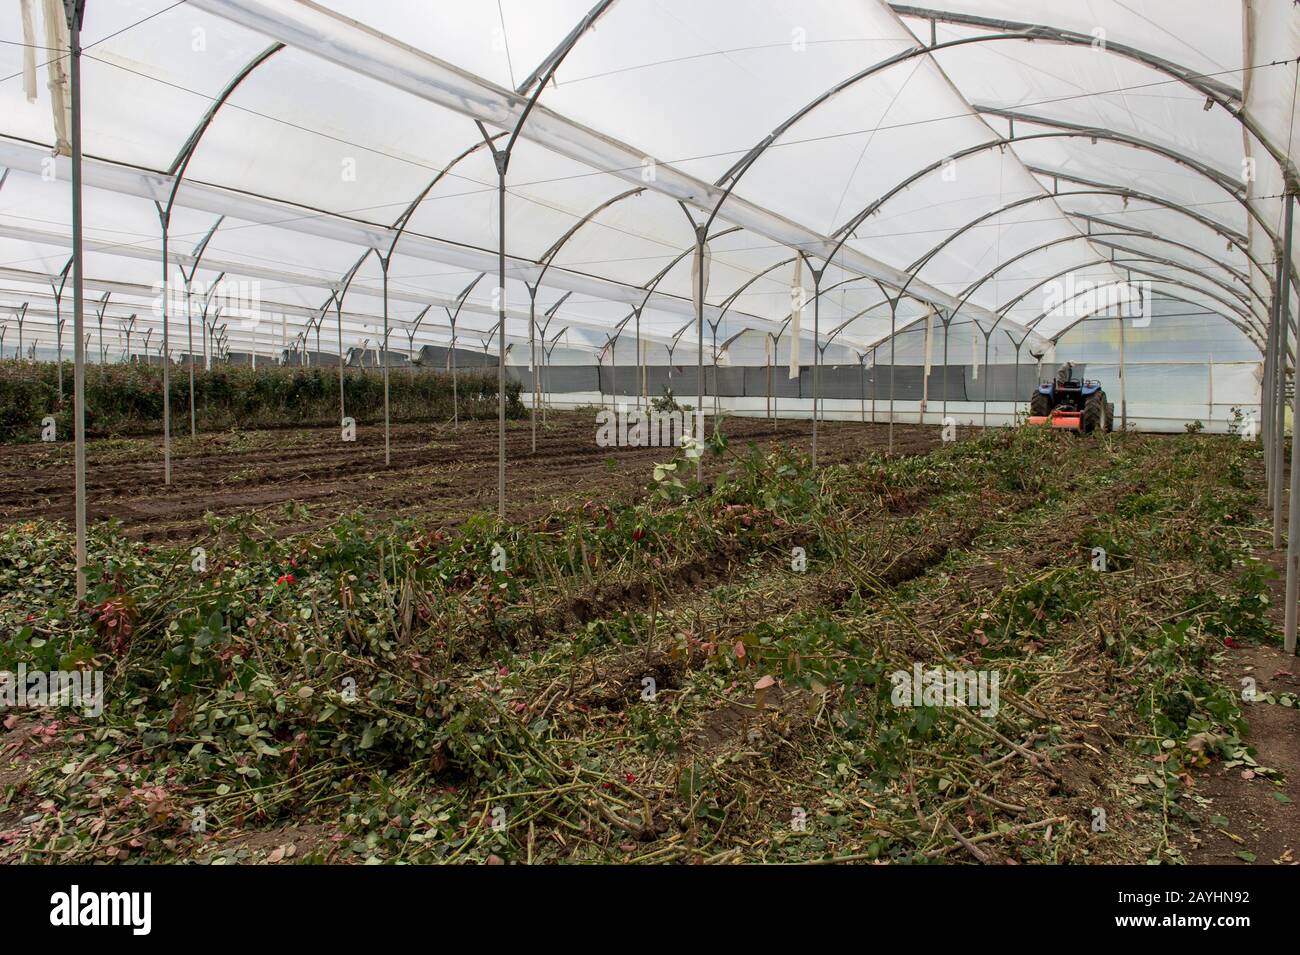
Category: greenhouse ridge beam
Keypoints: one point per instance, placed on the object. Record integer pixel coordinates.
(353, 46)
(148, 184)
(357, 323)
(276, 275)
(1221, 93)
(1221, 229)
(1244, 296)
(1242, 323)
(1223, 179)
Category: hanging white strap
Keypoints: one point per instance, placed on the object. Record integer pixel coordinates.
(925, 380)
(796, 315)
(974, 354)
(699, 288)
(29, 51)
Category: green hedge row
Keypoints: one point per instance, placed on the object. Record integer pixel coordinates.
(128, 399)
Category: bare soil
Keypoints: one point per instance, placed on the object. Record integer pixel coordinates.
(296, 479)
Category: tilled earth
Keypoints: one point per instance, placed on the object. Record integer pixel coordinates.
(296, 479)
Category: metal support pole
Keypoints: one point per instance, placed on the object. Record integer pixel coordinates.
(875, 368)
(1293, 523)
(1015, 393)
(383, 350)
(768, 356)
(1279, 397)
(189, 327)
(75, 9)
(862, 388)
(166, 363)
(817, 366)
(984, 423)
(716, 389)
(1123, 377)
(502, 161)
(1266, 396)
(893, 365)
(338, 318)
(532, 358)
(699, 346)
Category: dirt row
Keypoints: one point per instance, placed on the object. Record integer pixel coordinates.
(436, 471)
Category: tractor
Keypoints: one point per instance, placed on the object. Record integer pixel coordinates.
(1071, 404)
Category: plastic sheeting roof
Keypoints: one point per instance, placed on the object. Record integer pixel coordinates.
(968, 152)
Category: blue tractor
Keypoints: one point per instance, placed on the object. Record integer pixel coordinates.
(1071, 404)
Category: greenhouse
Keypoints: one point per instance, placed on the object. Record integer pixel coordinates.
(645, 431)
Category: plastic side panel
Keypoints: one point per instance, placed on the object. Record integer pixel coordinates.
(756, 383)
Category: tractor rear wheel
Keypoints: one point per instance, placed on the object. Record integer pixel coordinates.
(1039, 405)
(1110, 416)
(1094, 413)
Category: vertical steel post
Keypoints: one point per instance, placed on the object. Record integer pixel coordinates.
(338, 318)
(189, 326)
(166, 362)
(532, 358)
(1123, 377)
(383, 351)
(502, 161)
(698, 292)
(946, 376)
(893, 365)
(75, 10)
(817, 367)
(988, 335)
(1293, 524)
(1266, 397)
(1279, 397)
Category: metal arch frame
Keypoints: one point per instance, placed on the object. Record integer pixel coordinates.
(1178, 298)
(59, 320)
(1076, 130)
(1144, 256)
(328, 35)
(385, 260)
(925, 258)
(546, 69)
(1012, 303)
(411, 332)
(1129, 264)
(501, 159)
(611, 345)
(702, 239)
(547, 258)
(973, 287)
(549, 314)
(1218, 176)
(1141, 253)
(1022, 32)
(20, 315)
(1243, 326)
(177, 172)
(1004, 142)
(1121, 228)
(1221, 229)
(196, 259)
(1222, 94)
(186, 152)
(1061, 241)
(731, 177)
